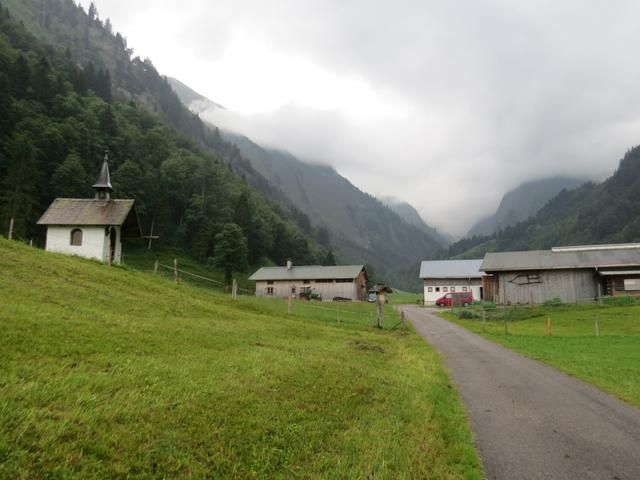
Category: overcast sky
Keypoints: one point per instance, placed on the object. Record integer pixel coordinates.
(443, 104)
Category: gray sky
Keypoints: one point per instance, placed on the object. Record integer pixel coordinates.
(444, 104)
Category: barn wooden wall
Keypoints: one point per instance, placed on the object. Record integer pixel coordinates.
(282, 288)
(568, 285)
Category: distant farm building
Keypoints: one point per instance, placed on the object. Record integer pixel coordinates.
(91, 228)
(344, 281)
(569, 273)
(441, 277)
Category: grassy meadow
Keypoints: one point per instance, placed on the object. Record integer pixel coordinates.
(610, 361)
(107, 372)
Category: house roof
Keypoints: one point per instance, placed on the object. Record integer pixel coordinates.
(561, 259)
(451, 269)
(307, 272)
(73, 211)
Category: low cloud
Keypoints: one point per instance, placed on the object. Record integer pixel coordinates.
(444, 105)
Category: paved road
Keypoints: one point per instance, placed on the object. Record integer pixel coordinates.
(531, 421)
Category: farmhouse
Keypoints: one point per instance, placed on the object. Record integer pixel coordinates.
(91, 228)
(444, 276)
(568, 273)
(344, 281)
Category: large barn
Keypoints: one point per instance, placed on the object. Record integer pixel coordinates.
(91, 227)
(444, 276)
(569, 273)
(343, 281)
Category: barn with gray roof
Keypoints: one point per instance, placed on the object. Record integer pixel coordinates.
(571, 274)
(341, 281)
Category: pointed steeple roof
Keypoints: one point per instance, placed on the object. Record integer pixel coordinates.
(104, 179)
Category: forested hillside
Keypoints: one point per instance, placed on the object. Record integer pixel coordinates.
(60, 114)
(594, 213)
(360, 227)
(522, 202)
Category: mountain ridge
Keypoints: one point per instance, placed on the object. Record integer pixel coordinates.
(361, 227)
(521, 202)
(606, 212)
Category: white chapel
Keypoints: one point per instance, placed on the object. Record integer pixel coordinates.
(93, 227)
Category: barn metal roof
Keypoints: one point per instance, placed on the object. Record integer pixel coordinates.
(73, 211)
(451, 269)
(560, 259)
(308, 272)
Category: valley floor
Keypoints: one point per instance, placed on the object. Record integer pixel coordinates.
(106, 372)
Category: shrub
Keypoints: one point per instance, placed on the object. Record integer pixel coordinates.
(466, 314)
(554, 302)
(620, 301)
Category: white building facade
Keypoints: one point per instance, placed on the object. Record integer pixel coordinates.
(450, 276)
(86, 241)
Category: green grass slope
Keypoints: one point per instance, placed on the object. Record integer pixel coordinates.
(113, 373)
(610, 361)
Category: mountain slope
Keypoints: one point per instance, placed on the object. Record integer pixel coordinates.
(361, 228)
(59, 117)
(410, 215)
(608, 212)
(522, 202)
(112, 373)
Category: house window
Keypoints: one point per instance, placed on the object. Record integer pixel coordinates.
(453, 289)
(324, 280)
(344, 280)
(632, 283)
(269, 290)
(306, 282)
(437, 289)
(430, 289)
(445, 289)
(269, 282)
(293, 290)
(76, 237)
(464, 289)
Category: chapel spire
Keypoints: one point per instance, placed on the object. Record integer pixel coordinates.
(103, 186)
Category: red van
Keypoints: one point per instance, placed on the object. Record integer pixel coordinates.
(459, 299)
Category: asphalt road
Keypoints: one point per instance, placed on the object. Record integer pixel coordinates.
(530, 420)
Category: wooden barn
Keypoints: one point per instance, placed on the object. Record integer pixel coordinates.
(91, 227)
(344, 281)
(445, 276)
(571, 274)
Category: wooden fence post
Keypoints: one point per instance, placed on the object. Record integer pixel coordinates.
(175, 271)
(338, 311)
(548, 329)
(31, 242)
(11, 229)
(379, 313)
(234, 290)
(155, 267)
(289, 306)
